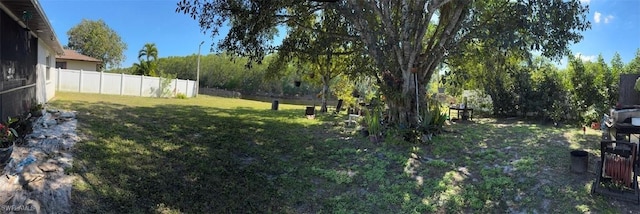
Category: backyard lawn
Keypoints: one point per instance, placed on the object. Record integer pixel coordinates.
(220, 155)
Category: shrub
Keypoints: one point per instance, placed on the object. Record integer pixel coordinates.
(432, 120)
(165, 84)
(181, 96)
(372, 120)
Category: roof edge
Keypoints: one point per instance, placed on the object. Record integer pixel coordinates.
(73, 55)
(58, 48)
(84, 60)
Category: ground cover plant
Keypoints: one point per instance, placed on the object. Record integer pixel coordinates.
(220, 155)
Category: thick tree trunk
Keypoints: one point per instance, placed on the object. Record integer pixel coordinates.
(403, 110)
(325, 90)
(400, 45)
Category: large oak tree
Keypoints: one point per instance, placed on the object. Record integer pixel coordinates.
(96, 39)
(405, 39)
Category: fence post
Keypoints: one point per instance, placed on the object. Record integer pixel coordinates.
(101, 80)
(194, 89)
(141, 84)
(175, 87)
(58, 80)
(186, 88)
(121, 83)
(80, 84)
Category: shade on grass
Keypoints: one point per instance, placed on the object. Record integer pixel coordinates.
(218, 155)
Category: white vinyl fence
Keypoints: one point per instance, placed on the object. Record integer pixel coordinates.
(120, 84)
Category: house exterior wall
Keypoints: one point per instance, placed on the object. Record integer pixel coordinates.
(46, 88)
(79, 65)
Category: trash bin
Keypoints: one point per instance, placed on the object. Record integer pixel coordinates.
(274, 105)
(579, 161)
(310, 110)
(339, 106)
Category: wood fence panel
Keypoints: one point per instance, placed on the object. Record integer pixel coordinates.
(628, 95)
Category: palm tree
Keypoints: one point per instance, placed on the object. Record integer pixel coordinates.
(145, 68)
(149, 51)
(147, 56)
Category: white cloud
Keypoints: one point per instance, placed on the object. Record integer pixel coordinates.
(586, 58)
(585, 1)
(608, 19)
(599, 17)
(596, 17)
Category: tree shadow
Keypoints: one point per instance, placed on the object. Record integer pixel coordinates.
(528, 163)
(196, 159)
(190, 158)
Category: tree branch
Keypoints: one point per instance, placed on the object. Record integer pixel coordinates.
(331, 34)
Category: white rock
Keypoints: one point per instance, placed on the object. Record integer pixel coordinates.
(68, 115)
(464, 170)
(48, 167)
(53, 137)
(49, 123)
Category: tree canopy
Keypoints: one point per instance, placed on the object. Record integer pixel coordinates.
(97, 40)
(315, 53)
(405, 40)
(634, 65)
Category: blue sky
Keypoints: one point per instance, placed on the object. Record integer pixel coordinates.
(615, 26)
(136, 21)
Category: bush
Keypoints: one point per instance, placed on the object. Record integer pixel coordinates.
(432, 121)
(165, 84)
(553, 97)
(373, 118)
(181, 96)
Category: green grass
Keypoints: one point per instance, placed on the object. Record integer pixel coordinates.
(219, 155)
(518, 166)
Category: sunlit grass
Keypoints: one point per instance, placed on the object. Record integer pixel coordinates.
(222, 155)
